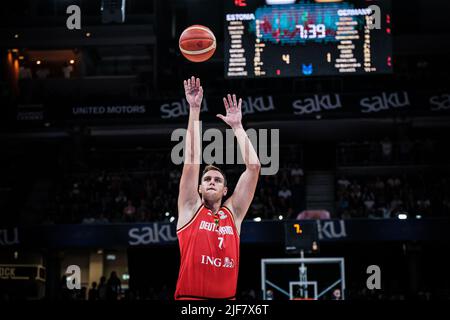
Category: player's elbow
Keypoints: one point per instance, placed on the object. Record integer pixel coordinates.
(255, 167)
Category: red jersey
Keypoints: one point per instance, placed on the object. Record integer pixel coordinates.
(209, 247)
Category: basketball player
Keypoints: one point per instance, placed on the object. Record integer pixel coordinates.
(207, 229)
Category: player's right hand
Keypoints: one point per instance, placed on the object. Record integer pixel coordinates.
(194, 92)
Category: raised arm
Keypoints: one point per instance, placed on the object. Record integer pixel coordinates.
(188, 197)
(242, 197)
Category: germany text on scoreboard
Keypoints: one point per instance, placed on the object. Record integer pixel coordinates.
(292, 38)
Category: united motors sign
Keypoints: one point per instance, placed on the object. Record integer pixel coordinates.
(109, 110)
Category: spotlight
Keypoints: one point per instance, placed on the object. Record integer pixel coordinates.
(88, 34)
(402, 216)
(72, 61)
(257, 219)
(111, 257)
(172, 219)
(38, 62)
(280, 217)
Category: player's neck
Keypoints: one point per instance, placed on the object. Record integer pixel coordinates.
(214, 206)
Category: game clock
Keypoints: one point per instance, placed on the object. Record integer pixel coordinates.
(300, 236)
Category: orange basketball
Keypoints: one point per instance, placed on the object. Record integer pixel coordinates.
(197, 43)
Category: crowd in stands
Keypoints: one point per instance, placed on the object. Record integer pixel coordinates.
(144, 187)
(110, 290)
(418, 195)
(151, 196)
(388, 151)
(147, 197)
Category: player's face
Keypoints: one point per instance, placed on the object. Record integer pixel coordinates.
(212, 186)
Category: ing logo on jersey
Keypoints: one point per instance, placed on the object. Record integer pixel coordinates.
(218, 262)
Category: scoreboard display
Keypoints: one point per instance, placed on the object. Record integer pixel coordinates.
(298, 38)
(300, 236)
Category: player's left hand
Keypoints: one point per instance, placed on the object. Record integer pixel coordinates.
(234, 115)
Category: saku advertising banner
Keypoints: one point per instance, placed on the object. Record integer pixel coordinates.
(254, 107)
(264, 232)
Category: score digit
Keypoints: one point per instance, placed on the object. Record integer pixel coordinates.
(298, 229)
(321, 30)
(312, 31)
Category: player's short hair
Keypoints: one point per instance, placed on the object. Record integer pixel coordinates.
(211, 167)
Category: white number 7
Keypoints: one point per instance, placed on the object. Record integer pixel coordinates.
(220, 242)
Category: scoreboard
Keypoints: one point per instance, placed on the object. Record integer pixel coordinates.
(299, 236)
(299, 38)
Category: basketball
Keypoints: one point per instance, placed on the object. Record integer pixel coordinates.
(197, 43)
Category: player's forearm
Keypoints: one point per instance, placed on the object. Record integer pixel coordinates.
(248, 152)
(192, 149)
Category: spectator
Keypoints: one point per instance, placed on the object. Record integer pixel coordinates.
(386, 150)
(284, 193)
(142, 211)
(93, 294)
(65, 294)
(102, 289)
(343, 182)
(368, 198)
(67, 70)
(257, 208)
(336, 294)
(102, 219)
(42, 73)
(164, 293)
(88, 220)
(113, 287)
(129, 212)
(24, 73)
(81, 294)
(296, 171)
